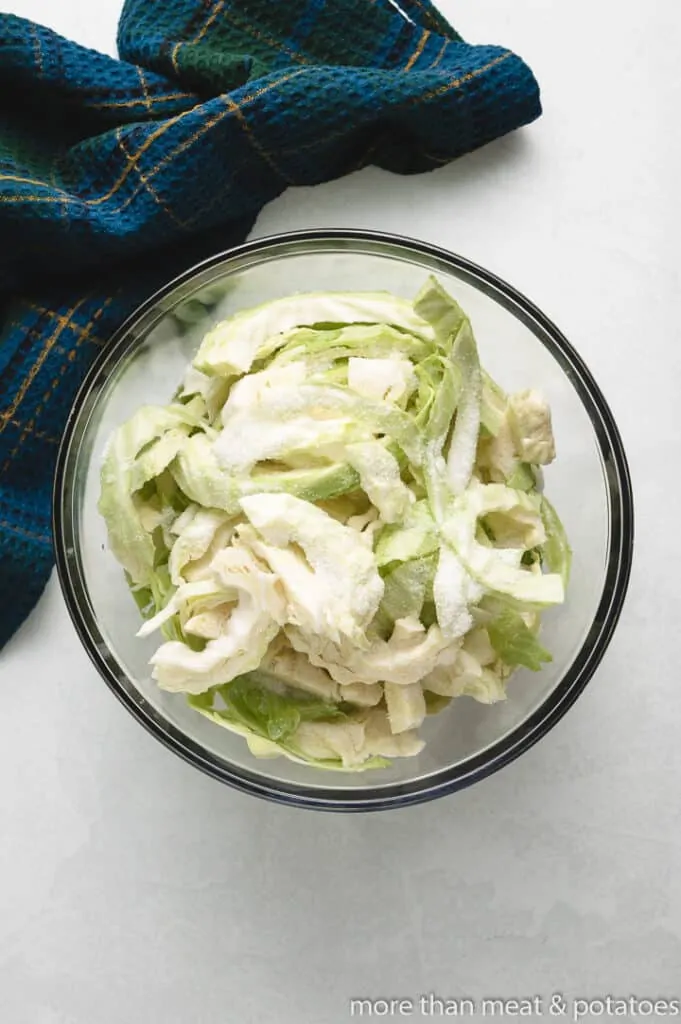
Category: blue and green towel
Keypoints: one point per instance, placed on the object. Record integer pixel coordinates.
(117, 174)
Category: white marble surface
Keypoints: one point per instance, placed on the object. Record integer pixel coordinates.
(133, 889)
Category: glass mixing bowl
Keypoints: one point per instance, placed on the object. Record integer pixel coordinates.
(588, 483)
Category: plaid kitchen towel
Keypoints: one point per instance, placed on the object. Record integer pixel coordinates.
(117, 174)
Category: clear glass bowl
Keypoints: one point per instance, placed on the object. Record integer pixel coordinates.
(589, 484)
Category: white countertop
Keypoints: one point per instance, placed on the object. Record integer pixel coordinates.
(134, 889)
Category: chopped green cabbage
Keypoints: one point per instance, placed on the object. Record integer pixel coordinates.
(337, 526)
(515, 643)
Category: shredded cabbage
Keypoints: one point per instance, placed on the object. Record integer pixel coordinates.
(338, 525)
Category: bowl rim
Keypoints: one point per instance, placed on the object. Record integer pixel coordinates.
(520, 738)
